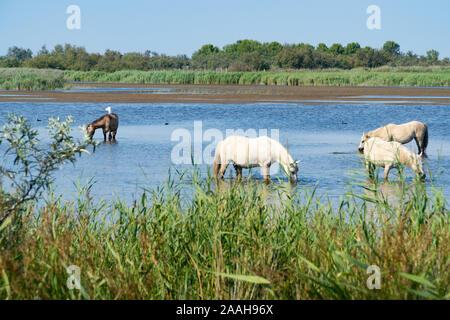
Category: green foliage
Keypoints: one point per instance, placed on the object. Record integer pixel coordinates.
(243, 55)
(336, 49)
(352, 48)
(20, 54)
(433, 55)
(32, 161)
(207, 49)
(372, 58)
(322, 47)
(241, 47)
(391, 47)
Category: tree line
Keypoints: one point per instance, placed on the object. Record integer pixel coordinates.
(243, 55)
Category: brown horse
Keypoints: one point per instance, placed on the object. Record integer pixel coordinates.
(108, 122)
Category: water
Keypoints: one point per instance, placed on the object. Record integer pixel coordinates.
(323, 137)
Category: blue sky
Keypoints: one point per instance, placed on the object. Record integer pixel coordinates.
(182, 26)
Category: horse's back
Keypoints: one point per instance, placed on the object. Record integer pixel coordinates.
(247, 151)
(379, 151)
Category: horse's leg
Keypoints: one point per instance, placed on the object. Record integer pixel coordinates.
(104, 135)
(266, 173)
(223, 168)
(114, 135)
(387, 168)
(419, 145)
(238, 171)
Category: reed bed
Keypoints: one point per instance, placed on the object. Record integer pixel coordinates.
(421, 77)
(230, 241)
(26, 79)
(50, 79)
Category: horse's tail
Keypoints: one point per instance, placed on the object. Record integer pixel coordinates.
(425, 140)
(217, 160)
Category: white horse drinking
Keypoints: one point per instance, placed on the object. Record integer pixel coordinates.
(378, 152)
(252, 152)
(402, 133)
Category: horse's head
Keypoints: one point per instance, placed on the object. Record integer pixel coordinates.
(293, 169)
(90, 130)
(417, 166)
(364, 138)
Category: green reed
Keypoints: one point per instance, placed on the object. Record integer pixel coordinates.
(31, 79)
(49, 79)
(436, 77)
(230, 240)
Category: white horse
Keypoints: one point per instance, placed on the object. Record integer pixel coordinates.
(252, 152)
(402, 133)
(378, 152)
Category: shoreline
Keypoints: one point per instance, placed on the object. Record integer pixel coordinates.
(236, 94)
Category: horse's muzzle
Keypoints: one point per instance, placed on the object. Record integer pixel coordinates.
(360, 150)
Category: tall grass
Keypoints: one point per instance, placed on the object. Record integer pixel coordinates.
(43, 79)
(424, 77)
(238, 241)
(31, 79)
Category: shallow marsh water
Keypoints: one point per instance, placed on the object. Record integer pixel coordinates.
(323, 137)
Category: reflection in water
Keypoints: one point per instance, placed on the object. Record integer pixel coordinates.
(390, 192)
(274, 193)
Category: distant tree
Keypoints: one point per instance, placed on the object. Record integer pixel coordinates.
(218, 61)
(243, 55)
(43, 51)
(149, 53)
(20, 54)
(336, 49)
(411, 54)
(134, 61)
(110, 61)
(243, 46)
(391, 47)
(206, 57)
(207, 49)
(58, 50)
(369, 57)
(303, 46)
(252, 61)
(432, 56)
(289, 58)
(322, 47)
(352, 47)
(271, 49)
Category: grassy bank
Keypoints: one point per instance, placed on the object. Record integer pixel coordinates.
(43, 79)
(248, 241)
(31, 79)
